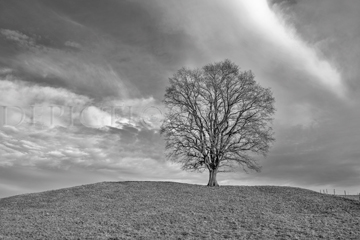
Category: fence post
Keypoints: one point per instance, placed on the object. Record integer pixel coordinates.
(334, 191)
(345, 192)
(326, 191)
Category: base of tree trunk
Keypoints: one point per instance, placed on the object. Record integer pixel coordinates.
(213, 185)
(212, 179)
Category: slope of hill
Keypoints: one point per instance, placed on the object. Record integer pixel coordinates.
(166, 210)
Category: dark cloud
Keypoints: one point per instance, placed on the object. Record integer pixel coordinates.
(129, 36)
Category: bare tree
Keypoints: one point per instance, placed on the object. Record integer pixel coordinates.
(218, 118)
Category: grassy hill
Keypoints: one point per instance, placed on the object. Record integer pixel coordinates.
(166, 210)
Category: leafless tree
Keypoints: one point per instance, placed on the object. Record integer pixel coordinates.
(218, 118)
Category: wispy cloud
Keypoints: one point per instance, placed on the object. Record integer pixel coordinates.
(72, 44)
(18, 37)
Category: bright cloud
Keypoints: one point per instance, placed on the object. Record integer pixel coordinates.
(275, 29)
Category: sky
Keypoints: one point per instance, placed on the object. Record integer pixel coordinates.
(81, 85)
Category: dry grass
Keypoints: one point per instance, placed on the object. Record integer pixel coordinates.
(158, 210)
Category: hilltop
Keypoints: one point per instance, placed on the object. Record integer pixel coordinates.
(168, 210)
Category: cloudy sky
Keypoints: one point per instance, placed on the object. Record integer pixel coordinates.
(106, 64)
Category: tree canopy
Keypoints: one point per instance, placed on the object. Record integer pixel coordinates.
(217, 117)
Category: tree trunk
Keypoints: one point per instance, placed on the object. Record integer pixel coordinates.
(212, 179)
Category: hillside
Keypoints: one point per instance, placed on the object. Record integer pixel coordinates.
(166, 210)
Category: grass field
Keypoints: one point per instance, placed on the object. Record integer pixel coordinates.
(165, 210)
